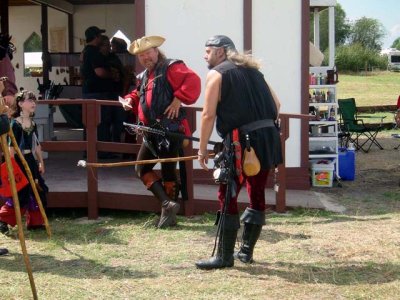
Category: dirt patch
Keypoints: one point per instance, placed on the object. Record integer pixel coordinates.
(377, 178)
(378, 168)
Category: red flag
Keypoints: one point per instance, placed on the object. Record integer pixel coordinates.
(20, 179)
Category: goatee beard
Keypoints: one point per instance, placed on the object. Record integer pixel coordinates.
(149, 65)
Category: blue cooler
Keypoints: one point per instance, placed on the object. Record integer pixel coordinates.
(347, 163)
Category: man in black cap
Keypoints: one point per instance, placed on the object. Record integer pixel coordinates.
(98, 81)
(93, 32)
(245, 110)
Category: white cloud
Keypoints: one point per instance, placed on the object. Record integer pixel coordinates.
(395, 31)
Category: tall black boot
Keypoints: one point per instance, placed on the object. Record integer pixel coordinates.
(253, 221)
(226, 245)
(169, 208)
(3, 227)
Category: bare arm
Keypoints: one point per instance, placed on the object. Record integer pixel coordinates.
(208, 116)
(12, 151)
(102, 73)
(38, 152)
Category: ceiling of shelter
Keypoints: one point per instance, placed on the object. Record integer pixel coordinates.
(74, 2)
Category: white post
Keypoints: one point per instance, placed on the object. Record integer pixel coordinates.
(316, 28)
(331, 36)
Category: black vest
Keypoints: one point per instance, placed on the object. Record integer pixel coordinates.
(162, 95)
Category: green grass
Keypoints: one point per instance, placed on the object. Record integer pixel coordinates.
(304, 254)
(380, 88)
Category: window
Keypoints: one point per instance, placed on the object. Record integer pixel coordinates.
(395, 59)
(33, 63)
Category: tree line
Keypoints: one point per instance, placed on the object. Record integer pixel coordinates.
(358, 43)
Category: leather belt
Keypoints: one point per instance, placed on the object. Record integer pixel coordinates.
(245, 129)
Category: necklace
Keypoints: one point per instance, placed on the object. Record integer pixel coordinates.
(26, 123)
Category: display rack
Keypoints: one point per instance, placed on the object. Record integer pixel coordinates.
(323, 127)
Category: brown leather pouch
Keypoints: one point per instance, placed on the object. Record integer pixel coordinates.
(251, 164)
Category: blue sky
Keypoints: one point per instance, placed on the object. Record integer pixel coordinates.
(386, 11)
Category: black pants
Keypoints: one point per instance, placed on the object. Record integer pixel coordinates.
(104, 128)
(168, 169)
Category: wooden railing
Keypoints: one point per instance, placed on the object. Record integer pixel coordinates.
(93, 199)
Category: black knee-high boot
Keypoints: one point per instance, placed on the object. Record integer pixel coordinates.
(253, 221)
(169, 208)
(226, 245)
(3, 227)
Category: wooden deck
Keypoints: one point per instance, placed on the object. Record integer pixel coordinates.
(118, 188)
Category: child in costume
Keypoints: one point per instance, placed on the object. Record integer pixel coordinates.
(26, 135)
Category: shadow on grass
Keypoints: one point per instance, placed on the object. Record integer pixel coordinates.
(333, 219)
(332, 273)
(274, 237)
(79, 267)
(300, 216)
(112, 227)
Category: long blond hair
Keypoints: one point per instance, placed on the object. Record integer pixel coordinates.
(243, 59)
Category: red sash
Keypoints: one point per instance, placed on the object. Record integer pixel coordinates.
(238, 154)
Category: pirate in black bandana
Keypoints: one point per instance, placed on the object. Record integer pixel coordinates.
(245, 110)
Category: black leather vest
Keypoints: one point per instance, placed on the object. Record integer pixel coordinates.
(162, 95)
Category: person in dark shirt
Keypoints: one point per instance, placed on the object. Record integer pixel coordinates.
(96, 75)
(118, 45)
(245, 110)
(98, 81)
(8, 89)
(120, 48)
(26, 136)
(116, 88)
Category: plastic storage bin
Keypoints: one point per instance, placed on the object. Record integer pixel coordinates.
(322, 172)
(347, 164)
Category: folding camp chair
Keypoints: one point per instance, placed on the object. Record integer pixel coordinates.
(397, 122)
(396, 136)
(354, 126)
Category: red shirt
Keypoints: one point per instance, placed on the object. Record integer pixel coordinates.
(7, 70)
(185, 83)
